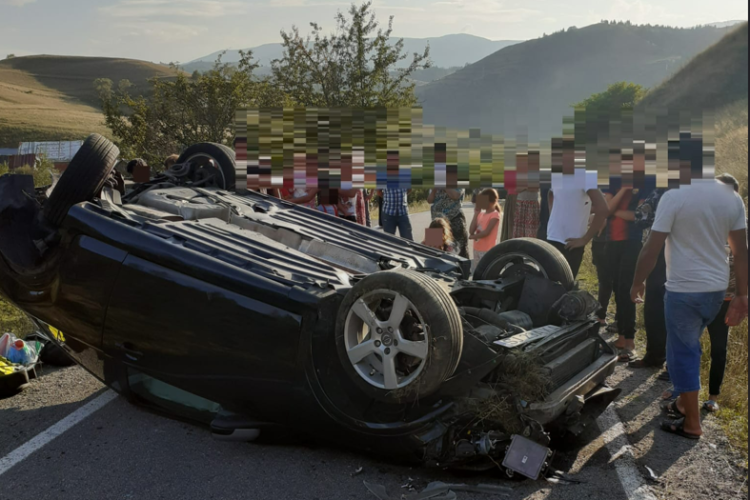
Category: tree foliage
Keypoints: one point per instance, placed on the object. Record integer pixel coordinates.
(42, 171)
(617, 96)
(357, 66)
(183, 110)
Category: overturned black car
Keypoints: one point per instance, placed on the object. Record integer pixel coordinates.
(277, 315)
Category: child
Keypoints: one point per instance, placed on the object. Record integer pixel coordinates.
(485, 224)
(446, 242)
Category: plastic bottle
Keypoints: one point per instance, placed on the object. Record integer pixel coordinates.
(19, 353)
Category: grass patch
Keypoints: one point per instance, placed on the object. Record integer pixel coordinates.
(13, 320)
(520, 377)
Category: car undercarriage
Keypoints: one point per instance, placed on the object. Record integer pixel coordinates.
(279, 315)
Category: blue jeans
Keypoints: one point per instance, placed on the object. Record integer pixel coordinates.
(402, 222)
(687, 316)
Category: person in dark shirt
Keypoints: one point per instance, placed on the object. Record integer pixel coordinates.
(653, 307)
(624, 243)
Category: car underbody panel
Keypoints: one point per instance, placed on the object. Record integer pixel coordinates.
(235, 299)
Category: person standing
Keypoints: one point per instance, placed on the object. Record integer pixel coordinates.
(300, 196)
(447, 203)
(653, 307)
(485, 224)
(543, 214)
(368, 193)
(694, 222)
(603, 273)
(718, 330)
(396, 212)
(348, 204)
(624, 243)
(570, 206)
(526, 219)
(509, 217)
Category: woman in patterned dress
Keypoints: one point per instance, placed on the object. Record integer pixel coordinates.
(526, 218)
(447, 203)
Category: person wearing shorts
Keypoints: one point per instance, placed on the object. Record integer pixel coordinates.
(695, 222)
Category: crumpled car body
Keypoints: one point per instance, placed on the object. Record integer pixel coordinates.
(237, 299)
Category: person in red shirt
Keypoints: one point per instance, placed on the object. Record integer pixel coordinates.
(623, 246)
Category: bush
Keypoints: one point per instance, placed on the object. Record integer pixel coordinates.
(42, 171)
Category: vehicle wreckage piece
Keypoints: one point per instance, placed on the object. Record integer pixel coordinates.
(271, 312)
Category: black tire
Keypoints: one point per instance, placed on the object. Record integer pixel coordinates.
(83, 179)
(223, 155)
(444, 334)
(549, 258)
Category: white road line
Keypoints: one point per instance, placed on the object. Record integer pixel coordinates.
(40, 440)
(615, 437)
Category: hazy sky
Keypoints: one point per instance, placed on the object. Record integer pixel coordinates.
(183, 30)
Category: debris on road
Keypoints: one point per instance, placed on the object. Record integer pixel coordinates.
(440, 491)
(652, 475)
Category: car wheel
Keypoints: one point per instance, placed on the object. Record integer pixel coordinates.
(398, 335)
(82, 179)
(524, 256)
(223, 157)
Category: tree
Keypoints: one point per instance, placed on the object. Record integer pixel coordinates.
(354, 67)
(10, 56)
(617, 96)
(183, 111)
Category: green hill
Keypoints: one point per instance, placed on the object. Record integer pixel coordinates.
(715, 78)
(53, 97)
(533, 84)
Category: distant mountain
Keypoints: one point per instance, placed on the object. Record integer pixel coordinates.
(726, 24)
(533, 84)
(445, 51)
(714, 79)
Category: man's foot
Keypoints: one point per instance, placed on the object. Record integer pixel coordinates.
(678, 427)
(673, 410)
(711, 406)
(642, 363)
(627, 355)
(612, 328)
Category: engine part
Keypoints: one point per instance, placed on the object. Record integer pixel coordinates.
(537, 297)
(526, 457)
(492, 318)
(574, 306)
(517, 318)
(489, 333)
(464, 449)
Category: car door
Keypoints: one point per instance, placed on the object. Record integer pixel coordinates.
(200, 337)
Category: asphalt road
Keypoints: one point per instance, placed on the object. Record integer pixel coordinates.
(123, 452)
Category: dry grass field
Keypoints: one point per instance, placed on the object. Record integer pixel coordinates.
(53, 97)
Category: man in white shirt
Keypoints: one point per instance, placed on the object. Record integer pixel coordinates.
(695, 222)
(572, 200)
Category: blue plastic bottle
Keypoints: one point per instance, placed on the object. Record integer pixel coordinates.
(19, 353)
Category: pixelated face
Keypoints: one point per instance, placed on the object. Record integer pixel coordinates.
(350, 148)
(433, 237)
(483, 202)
